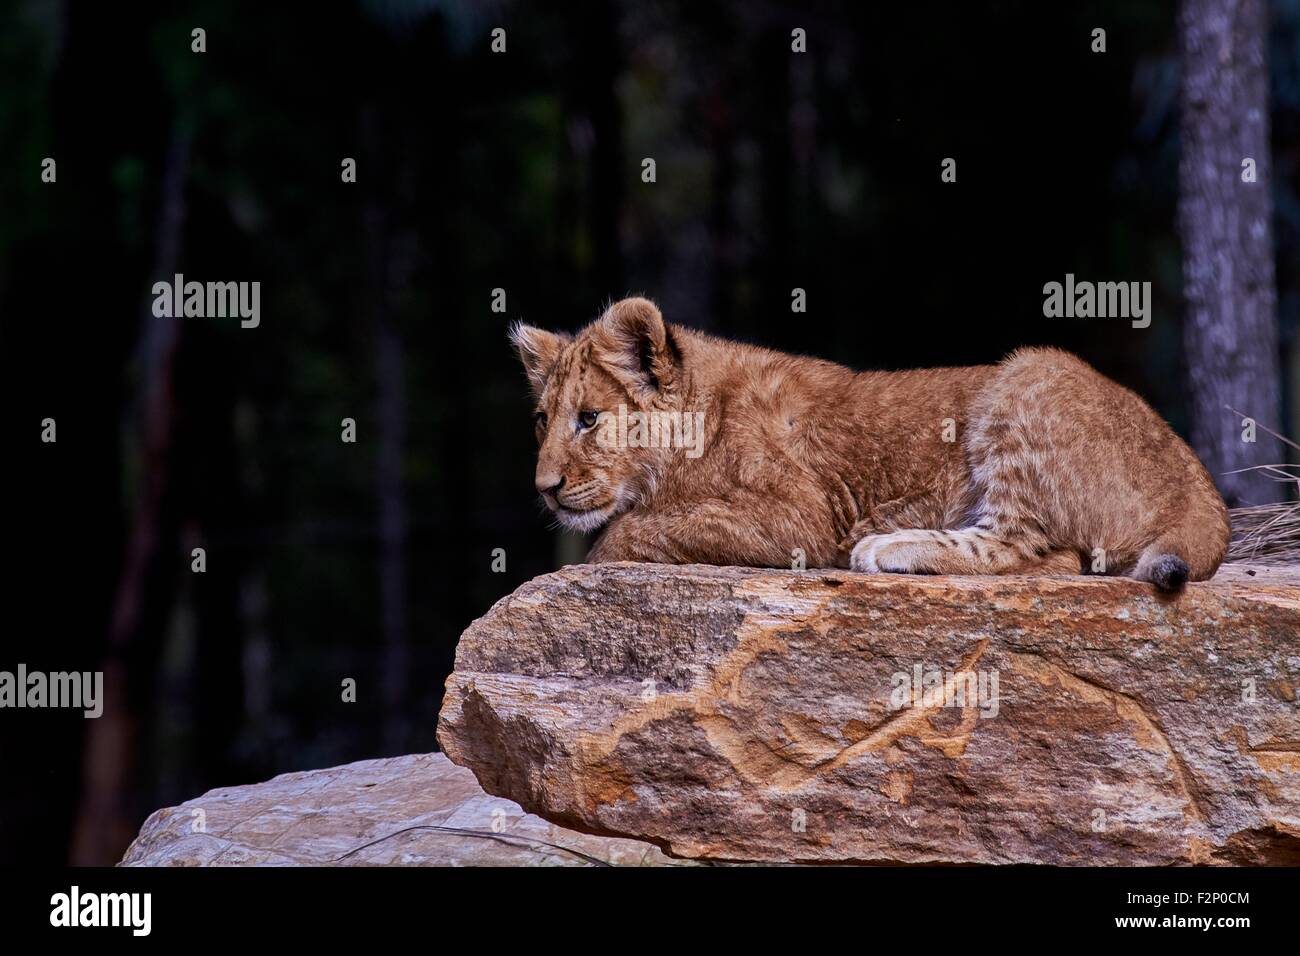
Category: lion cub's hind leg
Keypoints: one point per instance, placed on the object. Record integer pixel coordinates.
(971, 550)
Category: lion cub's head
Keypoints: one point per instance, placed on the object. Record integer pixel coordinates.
(623, 363)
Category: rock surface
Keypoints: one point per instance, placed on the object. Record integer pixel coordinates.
(739, 714)
(359, 815)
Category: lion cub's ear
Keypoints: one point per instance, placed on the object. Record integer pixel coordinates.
(636, 346)
(538, 350)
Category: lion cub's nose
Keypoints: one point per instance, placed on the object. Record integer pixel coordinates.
(549, 484)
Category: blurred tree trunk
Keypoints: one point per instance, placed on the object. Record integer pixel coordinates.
(107, 821)
(391, 494)
(600, 89)
(780, 264)
(391, 254)
(724, 241)
(1230, 331)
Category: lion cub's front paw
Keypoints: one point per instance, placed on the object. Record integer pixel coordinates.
(897, 553)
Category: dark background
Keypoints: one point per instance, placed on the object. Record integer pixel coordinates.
(478, 171)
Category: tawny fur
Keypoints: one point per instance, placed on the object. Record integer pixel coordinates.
(1054, 469)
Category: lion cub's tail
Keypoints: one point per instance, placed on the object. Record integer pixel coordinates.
(1168, 572)
(1191, 550)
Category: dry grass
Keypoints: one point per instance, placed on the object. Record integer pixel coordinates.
(1268, 534)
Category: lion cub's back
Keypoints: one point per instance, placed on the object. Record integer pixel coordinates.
(1103, 465)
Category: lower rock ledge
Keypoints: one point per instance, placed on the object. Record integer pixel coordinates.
(825, 716)
(418, 810)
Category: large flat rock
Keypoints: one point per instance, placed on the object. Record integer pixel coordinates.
(739, 714)
(418, 810)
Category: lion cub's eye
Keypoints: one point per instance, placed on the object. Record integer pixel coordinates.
(587, 419)
(540, 420)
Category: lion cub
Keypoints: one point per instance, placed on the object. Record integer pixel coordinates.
(693, 449)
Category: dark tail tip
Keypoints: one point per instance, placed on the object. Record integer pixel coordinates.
(1169, 572)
